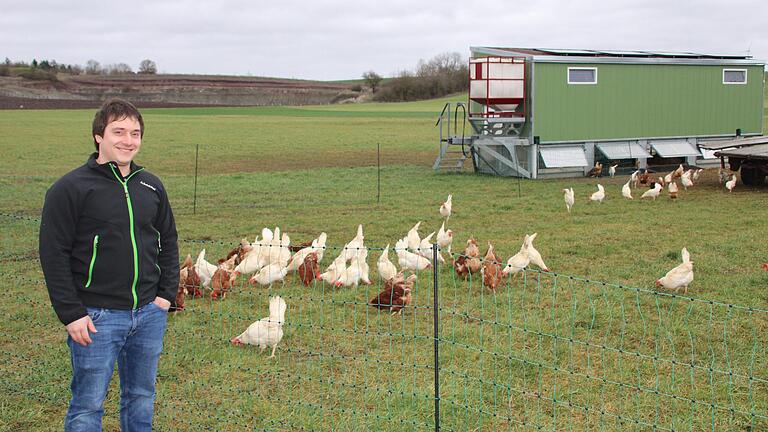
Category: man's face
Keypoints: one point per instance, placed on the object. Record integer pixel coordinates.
(120, 143)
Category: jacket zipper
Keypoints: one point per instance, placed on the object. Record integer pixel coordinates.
(133, 231)
(93, 260)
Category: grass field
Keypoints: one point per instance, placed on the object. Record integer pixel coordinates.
(591, 347)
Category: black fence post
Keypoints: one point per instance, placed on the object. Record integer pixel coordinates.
(436, 338)
(194, 195)
(378, 173)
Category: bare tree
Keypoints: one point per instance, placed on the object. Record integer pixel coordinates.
(117, 69)
(92, 67)
(147, 66)
(372, 80)
(443, 74)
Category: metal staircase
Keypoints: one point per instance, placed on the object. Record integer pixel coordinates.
(454, 149)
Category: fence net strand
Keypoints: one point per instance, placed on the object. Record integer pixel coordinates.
(543, 351)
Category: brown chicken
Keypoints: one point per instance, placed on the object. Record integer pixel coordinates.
(472, 252)
(460, 265)
(189, 284)
(178, 303)
(765, 266)
(238, 252)
(596, 171)
(396, 294)
(646, 178)
(300, 246)
(222, 281)
(189, 280)
(491, 270)
(309, 270)
(677, 173)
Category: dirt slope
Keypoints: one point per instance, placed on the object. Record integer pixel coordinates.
(86, 91)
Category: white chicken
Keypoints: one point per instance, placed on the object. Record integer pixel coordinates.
(673, 189)
(355, 245)
(266, 331)
(254, 259)
(696, 174)
(333, 271)
(318, 246)
(387, 270)
(534, 254)
(598, 196)
(277, 250)
(270, 274)
(652, 193)
(204, 269)
(413, 239)
(409, 260)
(634, 178)
(517, 262)
(678, 172)
(685, 180)
(668, 178)
(569, 198)
(445, 208)
(356, 272)
(730, 184)
(425, 248)
(680, 276)
(626, 191)
(444, 238)
(266, 235)
(612, 170)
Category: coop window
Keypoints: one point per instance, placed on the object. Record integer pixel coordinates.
(670, 149)
(582, 75)
(734, 76)
(623, 150)
(558, 157)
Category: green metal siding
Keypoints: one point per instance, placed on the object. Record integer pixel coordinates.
(643, 101)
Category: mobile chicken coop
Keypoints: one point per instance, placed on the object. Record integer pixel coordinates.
(555, 112)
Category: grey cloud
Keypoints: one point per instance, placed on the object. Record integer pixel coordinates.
(336, 39)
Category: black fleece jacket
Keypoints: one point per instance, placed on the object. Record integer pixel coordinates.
(107, 241)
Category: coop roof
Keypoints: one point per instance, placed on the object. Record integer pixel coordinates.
(613, 56)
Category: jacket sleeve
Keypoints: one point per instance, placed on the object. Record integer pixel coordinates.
(168, 259)
(57, 235)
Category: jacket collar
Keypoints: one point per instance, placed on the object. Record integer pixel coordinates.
(105, 169)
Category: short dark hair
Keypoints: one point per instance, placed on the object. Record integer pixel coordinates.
(112, 110)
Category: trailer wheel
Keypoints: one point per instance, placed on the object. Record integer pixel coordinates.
(751, 175)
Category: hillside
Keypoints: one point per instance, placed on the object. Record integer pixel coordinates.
(85, 91)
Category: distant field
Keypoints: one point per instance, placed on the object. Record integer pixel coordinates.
(532, 356)
(50, 91)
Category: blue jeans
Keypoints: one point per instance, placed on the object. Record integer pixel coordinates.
(133, 338)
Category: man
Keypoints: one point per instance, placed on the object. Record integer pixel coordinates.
(108, 250)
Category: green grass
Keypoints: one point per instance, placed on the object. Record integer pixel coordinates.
(561, 351)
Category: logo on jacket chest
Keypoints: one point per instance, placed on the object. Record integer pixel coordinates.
(149, 186)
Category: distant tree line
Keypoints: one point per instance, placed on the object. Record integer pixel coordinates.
(442, 75)
(48, 69)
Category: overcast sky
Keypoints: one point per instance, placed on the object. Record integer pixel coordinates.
(340, 39)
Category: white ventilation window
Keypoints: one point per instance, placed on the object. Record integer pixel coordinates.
(558, 157)
(734, 76)
(582, 75)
